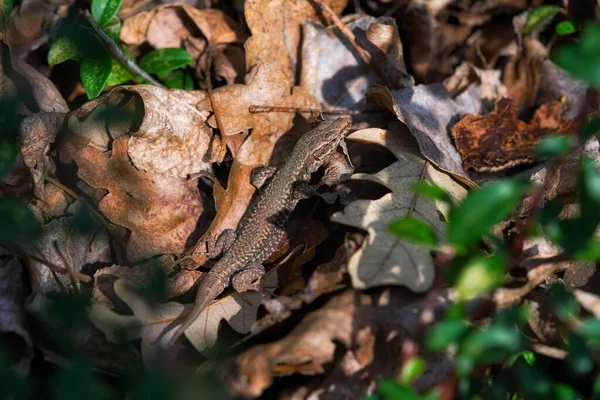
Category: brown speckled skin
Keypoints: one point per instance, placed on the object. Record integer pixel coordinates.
(262, 228)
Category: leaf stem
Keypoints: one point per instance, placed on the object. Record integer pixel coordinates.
(116, 52)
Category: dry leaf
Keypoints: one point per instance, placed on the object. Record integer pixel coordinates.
(168, 134)
(87, 341)
(333, 71)
(183, 26)
(36, 133)
(276, 32)
(500, 140)
(161, 212)
(428, 111)
(384, 259)
(64, 244)
(305, 349)
(490, 88)
(140, 275)
(13, 292)
(265, 85)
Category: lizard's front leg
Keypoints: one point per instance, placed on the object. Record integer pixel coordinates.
(248, 278)
(219, 246)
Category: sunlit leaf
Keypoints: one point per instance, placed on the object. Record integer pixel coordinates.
(104, 11)
(392, 390)
(444, 334)
(63, 49)
(94, 73)
(179, 80)
(164, 60)
(480, 274)
(539, 16)
(493, 344)
(415, 230)
(564, 28)
(113, 29)
(484, 208)
(411, 370)
(431, 191)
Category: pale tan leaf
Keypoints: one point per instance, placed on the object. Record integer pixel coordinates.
(238, 309)
(383, 258)
(276, 31)
(429, 112)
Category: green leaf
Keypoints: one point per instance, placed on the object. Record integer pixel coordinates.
(493, 344)
(392, 390)
(63, 49)
(164, 60)
(590, 329)
(564, 28)
(550, 211)
(534, 383)
(94, 73)
(480, 274)
(579, 361)
(432, 192)
(484, 208)
(179, 80)
(118, 74)
(104, 11)
(411, 370)
(565, 392)
(589, 197)
(582, 60)
(77, 381)
(8, 7)
(415, 230)
(18, 225)
(554, 146)
(113, 30)
(565, 305)
(528, 356)
(590, 129)
(444, 334)
(8, 155)
(539, 16)
(589, 252)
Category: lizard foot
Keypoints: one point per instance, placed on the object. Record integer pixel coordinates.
(248, 278)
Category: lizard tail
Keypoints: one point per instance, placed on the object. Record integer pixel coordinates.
(209, 289)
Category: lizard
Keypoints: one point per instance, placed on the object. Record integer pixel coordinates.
(262, 228)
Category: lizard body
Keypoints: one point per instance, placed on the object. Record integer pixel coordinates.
(262, 228)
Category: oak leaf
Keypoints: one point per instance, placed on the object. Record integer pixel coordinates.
(383, 258)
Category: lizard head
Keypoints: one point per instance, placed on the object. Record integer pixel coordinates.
(321, 142)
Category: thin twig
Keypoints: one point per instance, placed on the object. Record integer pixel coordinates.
(61, 269)
(256, 109)
(67, 267)
(507, 297)
(116, 52)
(328, 12)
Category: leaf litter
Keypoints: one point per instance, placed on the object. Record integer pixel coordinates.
(142, 179)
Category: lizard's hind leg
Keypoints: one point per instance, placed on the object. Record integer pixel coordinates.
(248, 278)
